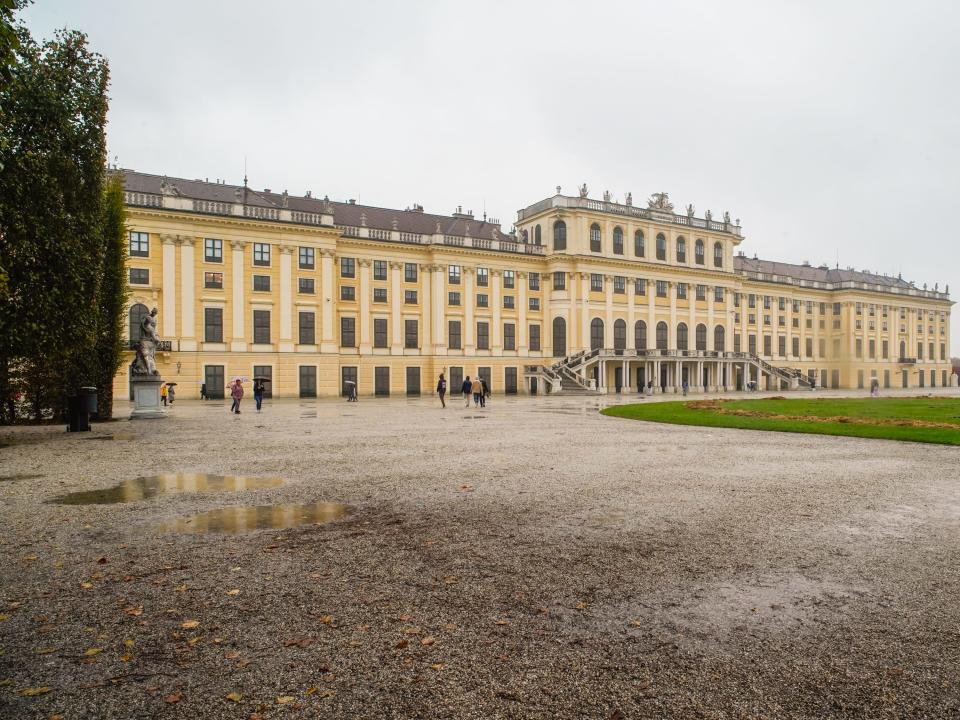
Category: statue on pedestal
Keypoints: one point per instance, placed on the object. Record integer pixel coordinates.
(145, 362)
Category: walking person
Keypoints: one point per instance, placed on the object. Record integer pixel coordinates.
(477, 389)
(163, 395)
(442, 389)
(236, 392)
(258, 389)
(686, 386)
(171, 393)
(466, 388)
(203, 391)
(485, 392)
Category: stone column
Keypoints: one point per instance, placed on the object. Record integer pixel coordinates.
(237, 309)
(571, 315)
(286, 299)
(585, 311)
(631, 313)
(496, 331)
(817, 317)
(608, 311)
(328, 332)
(365, 345)
(168, 319)
(710, 320)
(851, 334)
(522, 313)
(469, 298)
(789, 327)
(672, 330)
(396, 290)
(437, 306)
(425, 315)
(546, 327)
(188, 322)
(652, 317)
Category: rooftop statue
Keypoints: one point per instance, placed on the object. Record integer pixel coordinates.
(145, 362)
(606, 196)
(660, 201)
(726, 218)
(583, 190)
(690, 210)
(629, 200)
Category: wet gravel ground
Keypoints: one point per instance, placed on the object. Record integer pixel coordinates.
(533, 559)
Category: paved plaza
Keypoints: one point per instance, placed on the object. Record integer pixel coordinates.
(530, 559)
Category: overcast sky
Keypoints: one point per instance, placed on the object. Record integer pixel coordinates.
(832, 129)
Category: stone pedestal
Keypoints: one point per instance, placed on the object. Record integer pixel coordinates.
(146, 397)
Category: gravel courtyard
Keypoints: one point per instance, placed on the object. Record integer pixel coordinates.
(531, 559)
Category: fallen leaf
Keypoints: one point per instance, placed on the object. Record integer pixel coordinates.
(86, 585)
(411, 631)
(235, 591)
(96, 576)
(299, 642)
(581, 606)
(232, 655)
(189, 624)
(194, 640)
(636, 623)
(284, 699)
(310, 691)
(501, 622)
(403, 617)
(438, 666)
(451, 579)
(327, 693)
(326, 619)
(235, 697)
(450, 626)
(134, 611)
(428, 640)
(46, 651)
(93, 651)
(55, 717)
(34, 691)
(101, 561)
(401, 645)
(180, 588)
(29, 558)
(126, 658)
(4, 616)
(173, 698)
(128, 643)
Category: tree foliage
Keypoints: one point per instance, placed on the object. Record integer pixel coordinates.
(53, 243)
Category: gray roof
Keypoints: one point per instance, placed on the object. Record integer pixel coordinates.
(814, 274)
(410, 221)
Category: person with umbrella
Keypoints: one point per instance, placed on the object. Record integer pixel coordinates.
(351, 390)
(236, 392)
(258, 389)
(171, 393)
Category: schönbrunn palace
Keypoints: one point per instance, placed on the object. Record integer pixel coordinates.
(586, 295)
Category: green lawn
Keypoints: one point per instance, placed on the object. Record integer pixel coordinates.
(885, 418)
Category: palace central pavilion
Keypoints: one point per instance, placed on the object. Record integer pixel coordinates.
(588, 295)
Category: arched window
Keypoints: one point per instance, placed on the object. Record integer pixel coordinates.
(719, 338)
(620, 335)
(661, 247)
(594, 238)
(681, 250)
(640, 335)
(701, 337)
(559, 337)
(697, 251)
(536, 236)
(717, 254)
(559, 235)
(596, 333)
(137, 313)
(639, 247)
(661, 335)
(617, 241)
(682, 336)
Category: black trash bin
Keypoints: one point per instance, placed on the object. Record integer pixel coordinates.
(79, 407)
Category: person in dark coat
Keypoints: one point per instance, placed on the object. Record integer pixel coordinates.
(442, 389)
(258, 388)
(466, 389)
(485, 394)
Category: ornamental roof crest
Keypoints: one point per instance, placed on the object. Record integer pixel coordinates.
(660, 201)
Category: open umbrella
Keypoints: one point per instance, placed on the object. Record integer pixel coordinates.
(170, 384)
(241, 378)
(349, 382)
(261, 378)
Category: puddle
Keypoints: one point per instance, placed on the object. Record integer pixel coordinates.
(308, 415)
(19, 476)
(474, 417)
(114, 436)
(241, 519)
(144, 488)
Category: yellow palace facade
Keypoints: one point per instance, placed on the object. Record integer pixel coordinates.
(588, 295)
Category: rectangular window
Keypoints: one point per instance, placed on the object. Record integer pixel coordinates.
(751, 300)
(307, 327)
(766, 319)
(261, 254)
(640, 286)
(379, 269)
(348, 267)
(261, 283)
(413, 381)
(139, 244)
(533, 281)
(885, 349)
(265, 372)
(859, 308)
(535, 338)
(781, 345)
(409, 272)
(681, 291)
(308, 381)
(766, 302)
(453, 298)
(261, 327)
(736, 342)
(718, 294)
(822, 349)
(482, 300)
(619, 284)
(736, 299)
(836, 308)
(795, 350)
(509, 279)
(596, 282)
(455, 379)
(307, 258)
(534, 303)
(139, 276)
(872, 345)
(213, 280)
(453, 335)
(508, 302)
(767, 343)
(348, 332)
(510, 381)
(306, 286)
(509, 336)
(348, 293)
(559, 280)
(453, 274)
(214, 380)
(752, 344)
(483, 336)
(781, 304)
(379, 295)
(213, 325)
(348, 381)
(411, 334)
(483, 277)
(808, 349)
(701, 292)
(410, 297)
(381, 381)
(380, 332)
(213, 250)
(661, 288)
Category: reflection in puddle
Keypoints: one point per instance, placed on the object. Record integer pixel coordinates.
(166, 484)
(114, 436)
(234, 520)
(19, 476)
